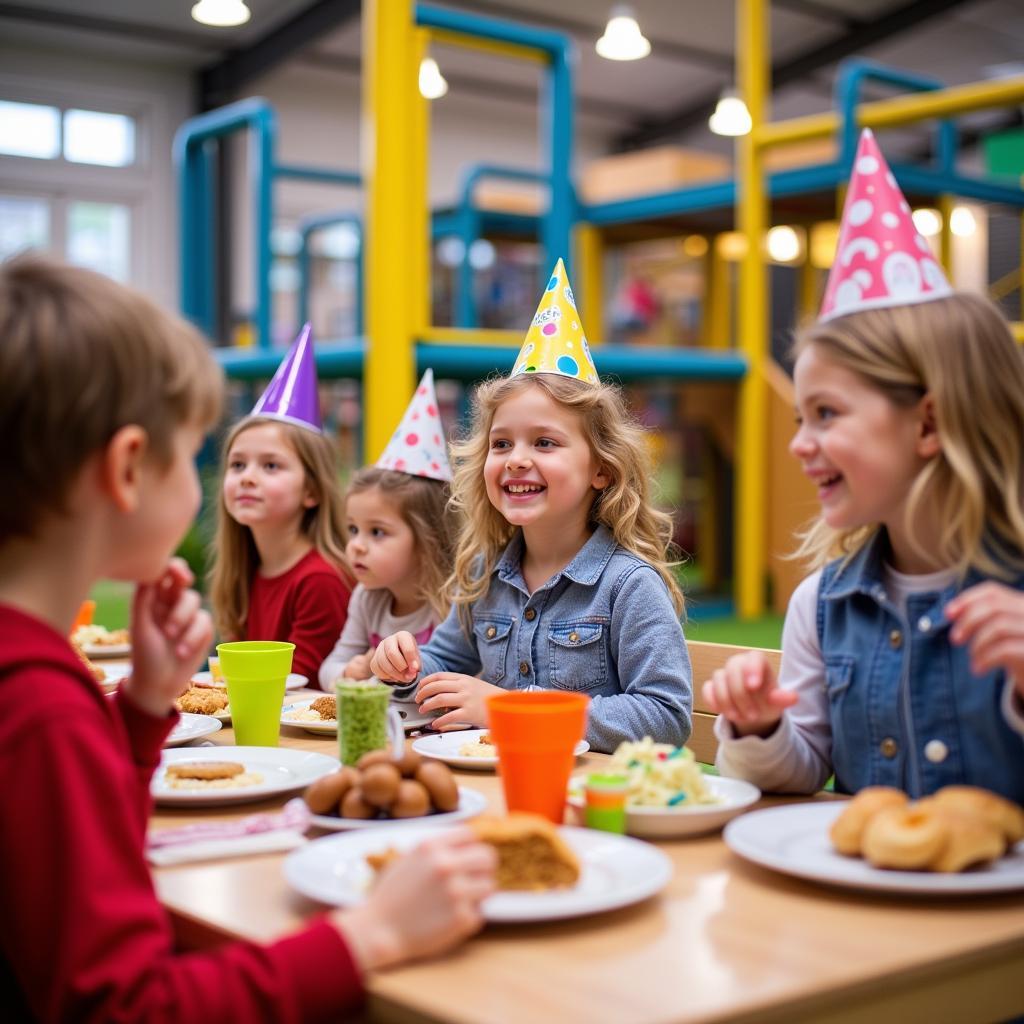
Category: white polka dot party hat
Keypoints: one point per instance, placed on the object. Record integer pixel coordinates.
(881, 258)
(417, 447)
(555, 342)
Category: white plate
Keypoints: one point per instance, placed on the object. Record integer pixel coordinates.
(794, 840)
(329, 727)
(283, 770)
(664, 822)
(471, 803)
(106, 650)
(114, 675)
(617, 871)
(445, 747)
(191, 727)
(293, 682)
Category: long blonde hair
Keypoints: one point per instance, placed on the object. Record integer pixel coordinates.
(422, 505)
(234, 555)
(624, 506)
(958, 350)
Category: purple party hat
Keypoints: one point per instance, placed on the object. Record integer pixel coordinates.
(292, 394)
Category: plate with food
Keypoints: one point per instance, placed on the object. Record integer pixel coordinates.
(112, 675)
(232, 775)
(189, 728)
(800, 840)
(319, 715)
(382, 790)
(100, 642)
(293, 682)
(470, 749)
(668, 795)
(205, 700)
(569, 872)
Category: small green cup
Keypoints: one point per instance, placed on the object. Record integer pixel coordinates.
(255, 672)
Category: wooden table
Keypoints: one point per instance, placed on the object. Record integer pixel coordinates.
(726, 941)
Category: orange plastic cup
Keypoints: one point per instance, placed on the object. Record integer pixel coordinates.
(85, 613)
(536, 733)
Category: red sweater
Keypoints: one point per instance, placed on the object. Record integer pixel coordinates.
(307, 606)
(84, 937)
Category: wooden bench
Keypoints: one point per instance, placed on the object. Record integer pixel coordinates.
(705, 658)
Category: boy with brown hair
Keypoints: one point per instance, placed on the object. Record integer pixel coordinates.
(104, 401)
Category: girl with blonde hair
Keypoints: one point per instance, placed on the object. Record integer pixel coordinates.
(903, 652)
(561, 578)
(279, 569)
(400, 542)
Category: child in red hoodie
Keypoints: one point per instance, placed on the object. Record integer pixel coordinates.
(104, 400)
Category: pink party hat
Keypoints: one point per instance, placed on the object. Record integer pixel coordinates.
(292, 394)
(417, 446)
(881, 258)
(555, 342)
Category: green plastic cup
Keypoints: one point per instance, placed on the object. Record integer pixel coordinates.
(255, 672)
(366, 721)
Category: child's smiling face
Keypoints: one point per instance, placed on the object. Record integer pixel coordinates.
(858, 447)
(540, 471)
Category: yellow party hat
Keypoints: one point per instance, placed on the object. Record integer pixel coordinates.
(555, 342)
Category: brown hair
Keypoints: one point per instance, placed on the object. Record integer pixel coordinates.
(625, 506)
(82, 356)
(958, 350)
(234, 555)
(422, 504)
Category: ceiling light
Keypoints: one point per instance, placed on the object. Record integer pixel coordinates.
(962, 222)
(783, 244)
(222, 13)
(927, 222)
(432, 83)
(731, 116)
(622, 39)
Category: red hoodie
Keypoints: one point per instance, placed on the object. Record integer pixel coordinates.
(84, 936)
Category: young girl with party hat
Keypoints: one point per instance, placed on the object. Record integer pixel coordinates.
(561, 575)
(903, 653)
(400, 540)
(279, 570)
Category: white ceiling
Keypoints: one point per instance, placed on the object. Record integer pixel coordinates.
(691, 59)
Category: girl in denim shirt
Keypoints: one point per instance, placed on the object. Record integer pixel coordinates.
(561, 576)
(903, 657)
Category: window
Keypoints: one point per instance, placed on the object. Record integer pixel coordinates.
(24, 224)
(80, 136)
(98, 237)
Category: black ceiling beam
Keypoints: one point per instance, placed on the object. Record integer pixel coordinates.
(820, 11)
(221, 81)
(904, 17)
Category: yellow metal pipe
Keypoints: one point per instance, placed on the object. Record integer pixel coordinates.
(809, 298)
(752, 62)
(590, 275)
(471, 336)
(718, 298)
(419, 177)
(945, 208)
(493, 46)
(918, 106)
(394, 201)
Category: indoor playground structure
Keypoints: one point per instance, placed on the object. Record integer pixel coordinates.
(730, 384)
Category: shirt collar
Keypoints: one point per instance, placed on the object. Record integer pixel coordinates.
(586, 566)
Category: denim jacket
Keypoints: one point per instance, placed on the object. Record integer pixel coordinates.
(906, 710)
(604, 625)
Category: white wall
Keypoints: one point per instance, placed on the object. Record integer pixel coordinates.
(161, 96)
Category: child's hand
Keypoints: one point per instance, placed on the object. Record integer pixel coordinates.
(423, 903)
(170, 637)
(359, 666)
(745, 693)
(466, 696)
(397, 658)
(989, 618)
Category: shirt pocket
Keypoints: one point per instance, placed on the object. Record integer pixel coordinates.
(838, 676)
(492, 637)
(578, 656)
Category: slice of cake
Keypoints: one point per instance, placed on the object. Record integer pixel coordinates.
(531, 853)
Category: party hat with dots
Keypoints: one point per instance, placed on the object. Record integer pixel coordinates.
(292, 393)
(417, 446)
(555, 342)
(881, 258)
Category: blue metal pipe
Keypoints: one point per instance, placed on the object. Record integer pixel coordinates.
(307, 228)
(333, 359)
(490, 28)
(323, 174)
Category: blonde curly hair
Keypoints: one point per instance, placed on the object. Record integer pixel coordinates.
(959, 350)
(624, 506)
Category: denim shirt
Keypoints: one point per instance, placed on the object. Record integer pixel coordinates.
(905, 708)
(605, 626)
